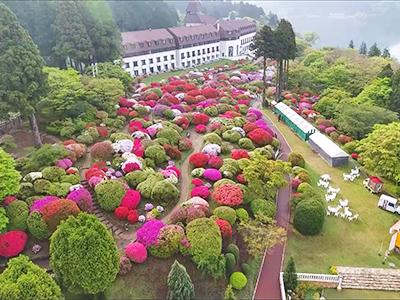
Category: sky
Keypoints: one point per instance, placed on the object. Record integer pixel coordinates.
(395, 51)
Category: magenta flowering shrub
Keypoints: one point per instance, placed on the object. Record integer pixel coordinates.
(251, 117)
(197, 182)
(200, 128)
(83, 199)
(295, 183)
(329, 130)
(95, 180)
(147, 235)
(200, 191)
(39, 203)
(321, 128)
(136, 252)
(212, 174)
(64, 163)
(256, 112)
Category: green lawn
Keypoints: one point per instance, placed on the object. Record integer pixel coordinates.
(158, 77)
(341, 243)
(331, 294)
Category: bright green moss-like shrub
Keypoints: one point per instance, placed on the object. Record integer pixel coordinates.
(164, 193)
(109, 194)
(134, 178)
(263, 207)
(226, 213)
(37, 226)
(17, 213)
(246, 143)
(238, 280)
(242, 214)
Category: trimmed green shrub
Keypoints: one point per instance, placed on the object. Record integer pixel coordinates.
(156, 153)
(230, 263)
(299, 170)
(211, 111)
(242, 215)
(238, 280)
(53, 174)
(169, 114)
(25, 190)
(246, 269)
(246, 143)
(296, 160)
(232, 248)
(223, 181)
(226, 213)
(37, 226)
(350, 147)
(134, 178)
(145, 188)
(47, 155)
(109, 194)
(170, 134)
(212, 138)
(243, 109)
(231, 136)
(275, 143)
(162, 141)
(304, 187)
(17, 213)
(226, 148)
(42, 186)
(308, 195)
(120, 136)
(59, 189)
(85, 139)
(309, 217)
(263, 207)
(72, 179)
(164, 193)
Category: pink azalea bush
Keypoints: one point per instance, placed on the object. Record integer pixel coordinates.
(131, 199)
(200, 191)
(329, 130)
(212, 174)
(147, 234)
(83, 199)
(38, 204)
(136, 252)
(64, 163)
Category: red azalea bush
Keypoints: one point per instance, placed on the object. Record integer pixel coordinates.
(197, 182)
(103, 132)
(240, 179)
(133, 114)
(171, 99)
(200, 191)
(225, 227)
(169, 88)
(344, 139)
(190, 100)
(228, 194)
(209, 92)
(151, 96)
(355, 156)
(238, 154)
(132, 216)
(12, 243)
(131, 199)
(136, 252)
(200, 128)
(188, 87)
(215, 126)
(194, 93)
(181, 121)
(102, 151)
(58, 210)
(130, 167)
(121, 212)
(172, 152)
(216, 162)
(198, 160)
(249, 127)
(200, 118)
(69, 142)
(260, 137)
(123, 111)
(8, 200)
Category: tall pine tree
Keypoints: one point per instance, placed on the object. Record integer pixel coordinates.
(72, 40)
(351, 44)
(374, 50)
(386, 53)
(265, 46)
(180, 286)
(363, 48)
(21, 70)
(290, 276)
(286, 26)
(282, 42)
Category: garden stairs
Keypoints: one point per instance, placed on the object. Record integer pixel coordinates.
(99, 213)
(370, 278)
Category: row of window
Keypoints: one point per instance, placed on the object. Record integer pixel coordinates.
(247, 40)
(198, 61)
(151, 61)
(213, 49)
(152, 69)
(198, 36)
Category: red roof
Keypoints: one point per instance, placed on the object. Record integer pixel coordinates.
(375, 179)
(194, 6)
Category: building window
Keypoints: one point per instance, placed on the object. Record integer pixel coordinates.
(143, 62)
(156, 43)
(198, 52)
(172, 57)
(125, 47)
(172, 66)
(135, 63)
(143, 71)
(230, 51)
(150, 60)
(193, 61)
(127, 65)
(136, 72)
(151, 70)
(208, 58)
(188, 54)
(164, 42)
(166, 67)
(204, 59)
(158, 59)
(217, 48)
(217, 55)
(212, 56)
(158, 68)
(182, 55)
(183, 64)
(198, 61)
(204, 51)
(188, 63)
(213, 49)
(208, 50)
(165, 58)
(186, 38)
(193, 53)
(229, 32)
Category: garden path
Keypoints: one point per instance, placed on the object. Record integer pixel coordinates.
(267, 286)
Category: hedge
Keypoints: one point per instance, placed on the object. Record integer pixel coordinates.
(230, 263)
(232, 248)
(17, 213)
(225, 213)
(263, 207)
(309, 217)
(109, 194)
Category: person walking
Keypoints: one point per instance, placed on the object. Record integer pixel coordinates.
(279, 117)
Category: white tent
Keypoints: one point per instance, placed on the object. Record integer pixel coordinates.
(328, 150)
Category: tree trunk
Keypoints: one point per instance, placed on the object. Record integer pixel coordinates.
(287, 74)
(264, 84)
(278, 81)
(281, 75)
(35, 131)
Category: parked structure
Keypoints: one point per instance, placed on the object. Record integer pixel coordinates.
(373, 184)
(202, 40)
(328, 150)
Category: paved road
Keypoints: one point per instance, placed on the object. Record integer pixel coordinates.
(268, 282)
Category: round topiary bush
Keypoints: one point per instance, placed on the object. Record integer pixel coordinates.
(102, 151)
(53, 174)
(37, 226)
(238, 280)
(246, 143)
(164, 193)
(260, 137)
(263, 207)
(246, 269)
(225, 213)
(198, 160)
(134, 178)
(296, 159)
(58, 210)
(309, 217)
(170, 134)
(17, 213)
(228, 194)
(169, 241)
(136, 252)
(212, 138)
(156, 153)
(231, 136)
(242, 215)
(230, 263)
(232, 248)
(304, 187)
(109, 194)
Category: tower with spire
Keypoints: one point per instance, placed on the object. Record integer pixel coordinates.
(194, 15)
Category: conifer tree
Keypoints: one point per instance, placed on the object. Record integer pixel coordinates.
(180, 286)
(21, 71)
(351, 44)
(386, 53)
(363, 48)
(229, 293)
(290, 275)
(374, 50)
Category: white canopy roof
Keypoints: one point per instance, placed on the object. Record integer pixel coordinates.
(327, 145)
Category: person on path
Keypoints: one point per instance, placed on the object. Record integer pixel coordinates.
(279, 117)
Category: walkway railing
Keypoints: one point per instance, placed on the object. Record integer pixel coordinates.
(282, 286)
(317, 277)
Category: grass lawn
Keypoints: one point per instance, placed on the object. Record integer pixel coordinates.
(330, 294)
(158, 77)
(341, 243)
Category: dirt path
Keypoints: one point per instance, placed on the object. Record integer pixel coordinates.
(268, 280)
(197, 140)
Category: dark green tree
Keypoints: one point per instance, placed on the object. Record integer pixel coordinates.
(72, 39)
(386, 53)
(363, 48)
(180, 286)
(374, 51)
(265, 46)
(387, 71)
(282, 42)
(24, 280)
(286, 26)
(9, 183)
(351, 44)
(21, 75)
(290, 276)
(395, 95)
